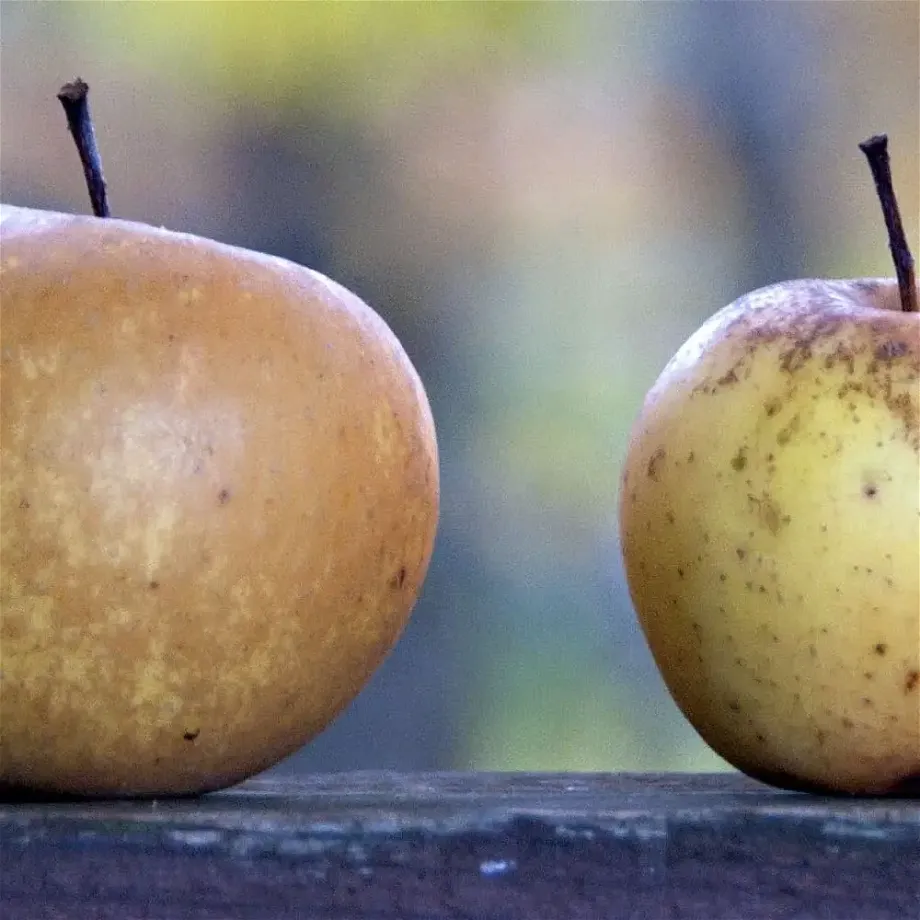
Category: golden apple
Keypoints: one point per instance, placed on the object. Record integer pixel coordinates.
(770, 525)
(219, 499)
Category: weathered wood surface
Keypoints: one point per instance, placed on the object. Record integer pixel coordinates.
(474, 846)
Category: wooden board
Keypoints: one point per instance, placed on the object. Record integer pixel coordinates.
(368, 846)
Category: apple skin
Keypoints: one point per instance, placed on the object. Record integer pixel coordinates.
(769, 527)
(219, 497)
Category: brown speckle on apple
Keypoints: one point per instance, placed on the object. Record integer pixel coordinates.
(654, 463)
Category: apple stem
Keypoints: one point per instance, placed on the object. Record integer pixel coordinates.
(73, 97)
(876, 151)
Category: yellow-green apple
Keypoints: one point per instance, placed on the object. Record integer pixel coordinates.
(770, 525)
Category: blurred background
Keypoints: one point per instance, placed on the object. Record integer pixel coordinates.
(543, 200)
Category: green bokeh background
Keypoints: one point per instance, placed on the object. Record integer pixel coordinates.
(543, 200)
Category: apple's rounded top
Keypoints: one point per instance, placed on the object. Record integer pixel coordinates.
(19, 221)
(14, 217)
(811, 295)
(800, 313)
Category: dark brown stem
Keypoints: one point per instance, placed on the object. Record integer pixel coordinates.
(876, 151)
(76, 107)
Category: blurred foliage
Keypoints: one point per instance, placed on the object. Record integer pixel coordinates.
(543, 200)
(283, 56)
